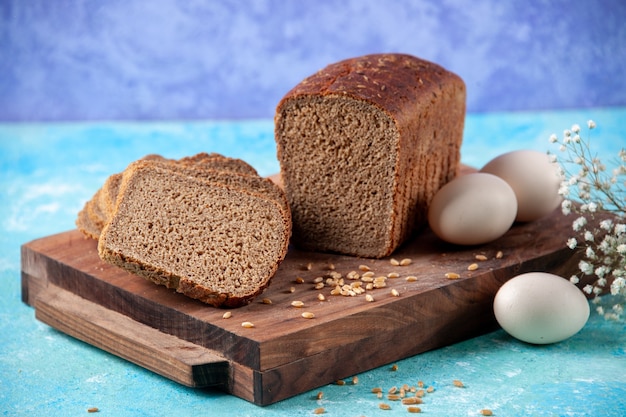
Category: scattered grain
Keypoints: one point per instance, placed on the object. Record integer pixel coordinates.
(376, 390)
(411, 278)
(394, 367)
(319, 285)
(392, 390)
(406, 262)
(369, 298)
(353, 275)
(308, 315)
(384, 406)
(93, 410)
(452, 275)
(486, 412)
(393, 275)
(458, 383)
(247, 325)
(292, 289)
(297, 304)
(368, 274)
(394, 262)
(319, 410)
(499, 255)
(420, 393)
(335, 275)
(321, 297)
(411, 400)
(420, 384)
(395, 292)
(393, 397)
(266, 301)
(414, 409)
(364, 268)
(331, 267)
(317, 280)
(319, 395)
(430, 389)
(227, 315)
(481, 257)
(355, 380)
(340, 382)
(472, 267)
(299, 280)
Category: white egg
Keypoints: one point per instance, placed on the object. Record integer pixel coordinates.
(534, 178)
(472, 209)
(540, 308)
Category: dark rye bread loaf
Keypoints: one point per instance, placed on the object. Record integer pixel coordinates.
(363, 146)
(216, 243)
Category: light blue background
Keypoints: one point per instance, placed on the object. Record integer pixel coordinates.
(225, 59)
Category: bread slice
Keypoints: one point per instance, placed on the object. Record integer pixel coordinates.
(99, 209)
(232, 178)
(363, 146)
(215, 243)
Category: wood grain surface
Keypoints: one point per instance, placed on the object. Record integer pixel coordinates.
(285, 354)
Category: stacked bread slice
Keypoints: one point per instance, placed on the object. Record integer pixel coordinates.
(208, 226)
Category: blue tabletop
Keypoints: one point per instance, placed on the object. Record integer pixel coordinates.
(47, 172)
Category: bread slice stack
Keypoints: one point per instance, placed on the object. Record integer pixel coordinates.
(207, 226)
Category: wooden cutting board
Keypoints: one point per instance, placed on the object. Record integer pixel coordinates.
(285, 354)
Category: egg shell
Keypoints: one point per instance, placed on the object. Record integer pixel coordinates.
(472, 209)
(540, 308)
(535, 179)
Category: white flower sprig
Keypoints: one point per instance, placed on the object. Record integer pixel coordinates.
(589, 190)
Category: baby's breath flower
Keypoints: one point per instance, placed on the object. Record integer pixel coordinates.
(585, 267)
(618, 285)
(566, 207)
(597, 196)
(579, 223)
(606, 224)
(572, 243)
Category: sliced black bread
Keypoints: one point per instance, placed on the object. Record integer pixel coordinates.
(216, 243)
